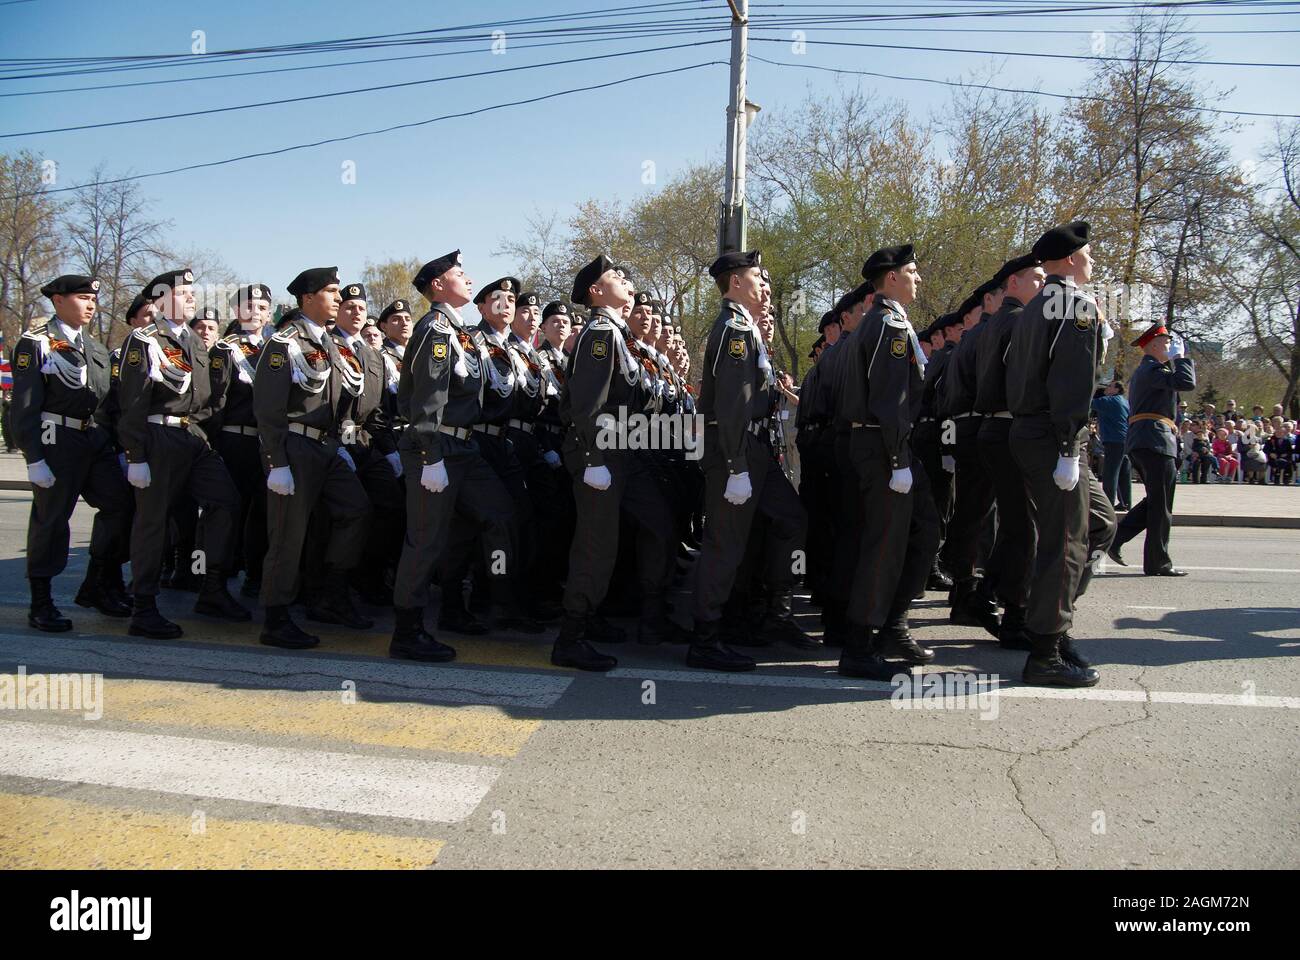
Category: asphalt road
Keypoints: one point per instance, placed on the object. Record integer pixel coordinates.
(215, 751)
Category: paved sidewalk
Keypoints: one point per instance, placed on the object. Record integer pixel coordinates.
(1195, 505)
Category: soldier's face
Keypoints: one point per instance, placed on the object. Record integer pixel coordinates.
(656, 328)
(557, 329)
(323, 305)
(1159, 349)
(453, 288)
(936, 340)
(254, 314)
(180, 305)
(397, 328)
(1026, 283)
(370, 333)
(749, 289)
(75, 309)
(497, 308)
(641, 321)
(525, 322)
(352, 316)
(144, 316)
(207, 331)
(832, 332)
(972, 317)
(612, 290)
(909, 281)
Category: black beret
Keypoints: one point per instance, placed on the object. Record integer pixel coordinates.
(1060, 242)
(990, 285)
(852, 298)
(736, 260)
(70, 283)
(313, 280)
(970, 303)
(819, 342)
(135, 306)
(164, 282)
(528, 299)
(354, 291)
(888, 258)
(589, 275)
(829, 317)
(643, 298)
(657, 306)
(397, 306)
(206, 313)
(254, 291)
(434, 269)
(1014, 265)
(369, 322)
(505, 285)
(953, 319)
(555, 307)
(289, 317)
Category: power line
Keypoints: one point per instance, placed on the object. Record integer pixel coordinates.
(371, 133)
(986, 86)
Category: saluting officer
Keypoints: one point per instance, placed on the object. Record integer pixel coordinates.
(1052, 366)
(231, 362)
(1011, 559)
(61, 380)
(166, 401)
(301, 387)
(742, 477)
(881, 375)
(1152, 444)
(605, 376)
(440, 395)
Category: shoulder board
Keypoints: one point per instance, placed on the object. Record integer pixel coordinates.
(229, 342)
(148, 330)
(38, 326)
(893, 319)
(440, 322)
(736, 322)
(601, 323)
(39, 335)
(478, 336)
(286, 335)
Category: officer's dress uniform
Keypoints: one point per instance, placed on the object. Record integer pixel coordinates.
(1012, 558)
(1152, 445)
(973, 510)
(440, 395)
(303, 388)
(61, 380)
(166, 401)
(881, 378)
(1052, 366)
(736, 401)
(605, 375)
(231, 364)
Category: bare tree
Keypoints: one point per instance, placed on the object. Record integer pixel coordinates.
(29, 240)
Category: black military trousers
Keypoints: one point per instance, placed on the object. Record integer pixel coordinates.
(181, 464)
(384, 490)
(1074, 527)
(1155, 514)
(475, 496)
(503, 458)
(1012, 559)
(925, 444)
(320, 478)
(898, 539)
(84, 465)
(847, 537)
(242, 457)
(973, 510)
(551, 491)
(818, 494)
(727, 526)
(635, 491)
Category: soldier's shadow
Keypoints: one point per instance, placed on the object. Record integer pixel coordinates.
(1183, 636)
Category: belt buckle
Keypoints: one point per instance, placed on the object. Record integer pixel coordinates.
(185, 421)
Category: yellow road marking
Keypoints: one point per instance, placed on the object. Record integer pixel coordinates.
(46, 833)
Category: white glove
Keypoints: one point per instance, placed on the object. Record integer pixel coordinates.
(394, 461)
(434, 477)
(949, 464)
(597, 478)
(1066, 473)
(280, 480)
(138, 475)
(121, 462)
(347, 458)
(739, 489)
(40, 475)
(1176, 348)
(900, 481)
(552, 459)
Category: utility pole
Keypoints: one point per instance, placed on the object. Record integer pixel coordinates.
(731, 219)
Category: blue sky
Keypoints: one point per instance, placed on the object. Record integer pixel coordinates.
(470, 182)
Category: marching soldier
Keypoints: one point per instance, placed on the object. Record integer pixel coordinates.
(440, 395)
(1011, 560)
(61, 380)
(166, 405)
(302, 387)
(817, 472)
(1152, 444)
(1052, 365)
(395, 324)
(881, 377)
(231, 363)
(928, 435)
(371, 447)
(605, 377)
(742, 477)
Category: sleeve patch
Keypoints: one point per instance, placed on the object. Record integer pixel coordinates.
(599, 349)
(1082, 323)
(898, 347)
(439, 352)
(24, 361)
(133, 357)
(216, 363)
(276, 361)
(737, 347)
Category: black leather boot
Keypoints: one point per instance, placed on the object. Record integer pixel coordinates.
(938, 580)
(1070, 653)
(779, 626)
(183, 576)
(44, 615)
(215, 600)
(1046, 668)
(280, 631)
(452, 615)
(572, 649)
(862, 659)
(96, 591)
(972, 607)
(708, 652)
(334, 604)
(412, 642)
(1014, 635)
(654, 627)
(894, 642)
(146, 621)
(600, 630)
